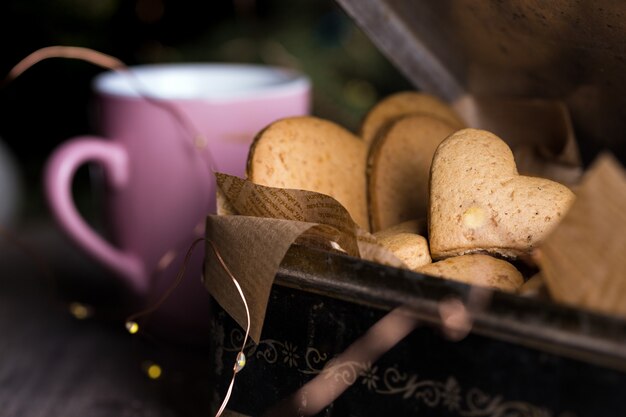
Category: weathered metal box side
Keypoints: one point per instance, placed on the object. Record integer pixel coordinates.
(523, 356)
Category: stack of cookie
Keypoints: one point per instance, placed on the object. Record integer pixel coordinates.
(427, 187)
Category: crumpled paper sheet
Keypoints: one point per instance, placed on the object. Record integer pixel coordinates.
(583, 261)
(255, 227)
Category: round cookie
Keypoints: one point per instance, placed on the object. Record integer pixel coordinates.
(312, 154)
(402, 104)
(399, 167)
(405, 242)
(477, 269)
(416, 226)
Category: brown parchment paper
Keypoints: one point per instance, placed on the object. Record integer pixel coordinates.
(583, 261)
(255, 227)
(539, 132)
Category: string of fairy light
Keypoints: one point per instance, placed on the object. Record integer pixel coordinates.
(81, 311)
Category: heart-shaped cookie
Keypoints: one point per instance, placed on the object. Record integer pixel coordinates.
(479, 202)
(312, 154)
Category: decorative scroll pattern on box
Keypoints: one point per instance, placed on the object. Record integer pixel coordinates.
(448, 394)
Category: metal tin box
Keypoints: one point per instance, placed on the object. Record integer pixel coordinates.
(523, 357)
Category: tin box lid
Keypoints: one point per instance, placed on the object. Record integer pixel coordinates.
(574, 51)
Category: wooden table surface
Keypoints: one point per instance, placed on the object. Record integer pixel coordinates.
(52, 364)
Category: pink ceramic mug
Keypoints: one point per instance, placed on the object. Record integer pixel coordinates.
(160, 184)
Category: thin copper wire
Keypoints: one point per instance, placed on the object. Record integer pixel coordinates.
(70, 52)
(181, 117)
(179, 277)
(176, 283)
(109, 62)
(198, 141)
(245, 339)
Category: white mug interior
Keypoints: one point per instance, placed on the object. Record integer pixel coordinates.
(201, 81)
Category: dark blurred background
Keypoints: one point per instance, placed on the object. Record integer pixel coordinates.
(51, 101)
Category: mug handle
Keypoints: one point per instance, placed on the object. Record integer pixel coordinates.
(59, 173)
